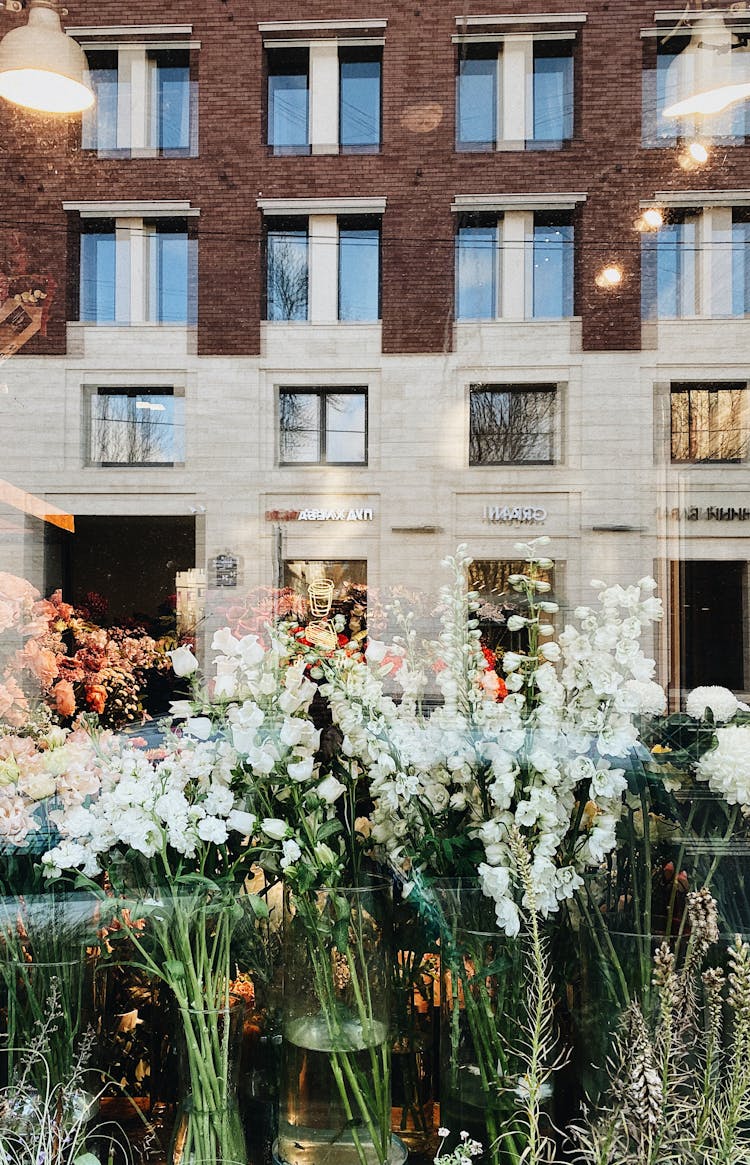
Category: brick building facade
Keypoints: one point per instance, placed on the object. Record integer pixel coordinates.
(117, 216)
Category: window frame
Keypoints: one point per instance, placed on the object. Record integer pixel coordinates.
(677, 388)
(144, 96)
(322, 393)
(124, 227)
(92, 392)
(550, 388)
(493, 48)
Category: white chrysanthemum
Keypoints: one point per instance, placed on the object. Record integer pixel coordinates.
(727, 767)
(719, 701)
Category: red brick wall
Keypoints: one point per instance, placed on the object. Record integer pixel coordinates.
(418, 169)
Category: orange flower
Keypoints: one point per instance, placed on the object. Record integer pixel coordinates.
(65, 698)
(96, 697)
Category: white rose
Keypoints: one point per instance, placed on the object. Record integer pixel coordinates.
(184, 662)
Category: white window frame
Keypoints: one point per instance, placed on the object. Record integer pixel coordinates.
(515, 73)
(515, 213)
(136, 116)
(323, 72)
(134, 279)
(322, 217)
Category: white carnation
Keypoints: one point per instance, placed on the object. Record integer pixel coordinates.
(727, 767)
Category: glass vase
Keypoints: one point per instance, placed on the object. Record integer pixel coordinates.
(481, 1010)
(416, 969)
(334, 1106)
(208, 1125)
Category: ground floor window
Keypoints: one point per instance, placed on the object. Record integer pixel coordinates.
(499, 601)
(349, 591)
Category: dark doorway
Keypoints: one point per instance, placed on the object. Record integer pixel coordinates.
(711, 613)
(131, 562)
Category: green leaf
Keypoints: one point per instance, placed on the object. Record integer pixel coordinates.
(259, 906)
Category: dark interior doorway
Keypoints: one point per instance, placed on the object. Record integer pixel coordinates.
(131, 562)
(711, 613)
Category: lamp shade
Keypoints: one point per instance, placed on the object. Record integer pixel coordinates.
(711, 74)
(42, 68)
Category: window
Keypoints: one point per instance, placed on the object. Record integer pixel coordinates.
(669, 68)
(287, 270)
(323, 268)
(323, 427)
(490, 282)
(146, 102)
(517, 92)
(697, 264)
(511, 424)
(670, 265)
(349, 578)
(136, 271)
(709, 422)
(498, 601)
(324, 98)
(135, 426)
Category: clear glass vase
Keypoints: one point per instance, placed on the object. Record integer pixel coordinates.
(416, 969)
(208, 1125)
(481, 1010)
(335, 1100)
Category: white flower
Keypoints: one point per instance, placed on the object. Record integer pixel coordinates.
(300, 770)
(719, 701)
(516, 623)
(290, 852)
(225, 642)
(184, 662)
(212, 829)
(727, 767)
(180, 709)
(511, 661)
(199, 726)
(443, 1132)
(274, 828)
(241, 822)
(330, 790)
(550, 651)
(376, 651)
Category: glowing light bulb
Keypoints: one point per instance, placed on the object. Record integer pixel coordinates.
(609, 276)
(653, 218)
(698, 152)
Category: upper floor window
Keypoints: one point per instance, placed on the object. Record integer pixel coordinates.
(324, 98)
(511, 424)
(513, 94)
(698, 264)
(135, 270)
(323, 268)
(146, 102)
(323, 427)
(671, 69)
(709, 422)
(516, 266)
(135, 426)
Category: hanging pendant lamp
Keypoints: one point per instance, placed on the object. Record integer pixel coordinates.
(41, 67)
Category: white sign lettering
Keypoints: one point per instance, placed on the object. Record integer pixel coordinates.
(363, 515)
(515, 514)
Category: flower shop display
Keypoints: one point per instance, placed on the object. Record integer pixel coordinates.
(545, 825)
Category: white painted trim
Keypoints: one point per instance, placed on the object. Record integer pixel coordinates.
(539, 18)
(149, 30)
(341, 42)
(495, 38)
(687, 16)
(697, 198)
(100, 45)
(156, 209)
(556, 201)
(322, 205)
(737, 25)
(265, 26)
